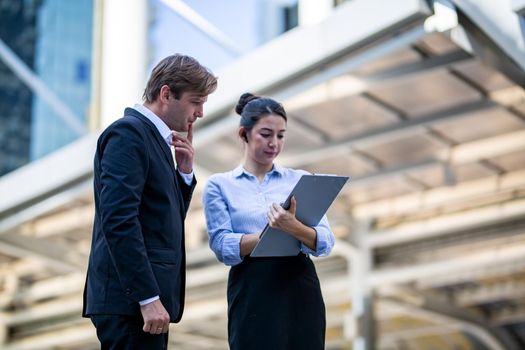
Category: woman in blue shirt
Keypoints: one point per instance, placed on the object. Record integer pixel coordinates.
(273, 303)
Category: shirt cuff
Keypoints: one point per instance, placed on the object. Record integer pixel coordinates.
(321, 243)
(231, 249)
(148, 301)
(188, 178)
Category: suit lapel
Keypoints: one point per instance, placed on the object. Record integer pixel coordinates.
(166, 151)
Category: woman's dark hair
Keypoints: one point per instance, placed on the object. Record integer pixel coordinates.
(251, 108)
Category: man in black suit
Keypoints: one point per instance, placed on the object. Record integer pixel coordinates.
(136, 274)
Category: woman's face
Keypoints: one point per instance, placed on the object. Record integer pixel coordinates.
(266, 139)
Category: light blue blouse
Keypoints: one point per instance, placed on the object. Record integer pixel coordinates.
(236, 203)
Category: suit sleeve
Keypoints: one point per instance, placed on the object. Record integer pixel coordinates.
(123, 171)
(186, 190)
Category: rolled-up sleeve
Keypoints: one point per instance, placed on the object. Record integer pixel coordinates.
(223, 241)
(324, 242)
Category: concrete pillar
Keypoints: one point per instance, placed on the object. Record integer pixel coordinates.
(362, 316)
(123, 56)
(314, 11)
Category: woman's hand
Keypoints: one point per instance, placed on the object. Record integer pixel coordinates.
(286, 221)
(283, 219)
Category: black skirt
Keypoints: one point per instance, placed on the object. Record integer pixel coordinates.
(275, 303)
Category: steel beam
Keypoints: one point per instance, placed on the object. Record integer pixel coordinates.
(57, 265)
(484, 294)
(518, 6)
(440, 196)
(476, 260)
(446, 224)
(498, 21)
(216, 129)
(51, 173)
(449, 316)
(312, 57)
(380, 135)
(83, 334)
(45, 250)
(468, 152)
(347, 84)
(39, 88)
(204, 26)
(44, 206)
(50, 288)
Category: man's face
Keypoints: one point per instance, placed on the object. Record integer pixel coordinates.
(185, 110)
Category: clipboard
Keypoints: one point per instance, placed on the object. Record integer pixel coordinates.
(314, 194)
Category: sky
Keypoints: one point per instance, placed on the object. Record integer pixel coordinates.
(237, 19)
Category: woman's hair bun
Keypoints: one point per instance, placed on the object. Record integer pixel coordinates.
(243, 101)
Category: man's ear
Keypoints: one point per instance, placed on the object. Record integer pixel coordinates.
(164, 93)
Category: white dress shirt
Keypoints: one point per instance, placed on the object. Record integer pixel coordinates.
(236, 203)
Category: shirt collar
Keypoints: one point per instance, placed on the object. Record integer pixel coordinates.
(279, 170)
(239, 171)
(163, 129)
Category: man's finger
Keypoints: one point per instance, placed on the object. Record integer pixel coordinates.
(189, 136)
(177, 138)
(182, 144)
(182, 152)
(180, 148)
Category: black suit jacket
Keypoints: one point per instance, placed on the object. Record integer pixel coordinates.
(141, 201)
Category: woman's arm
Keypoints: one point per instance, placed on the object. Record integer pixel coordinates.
(229, 247)
(248, 242)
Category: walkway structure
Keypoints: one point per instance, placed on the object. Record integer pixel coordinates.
(421, 103)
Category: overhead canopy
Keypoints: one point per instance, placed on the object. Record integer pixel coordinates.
(426, 116)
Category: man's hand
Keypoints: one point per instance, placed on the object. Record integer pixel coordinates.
(156, 318)
(184, 151)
